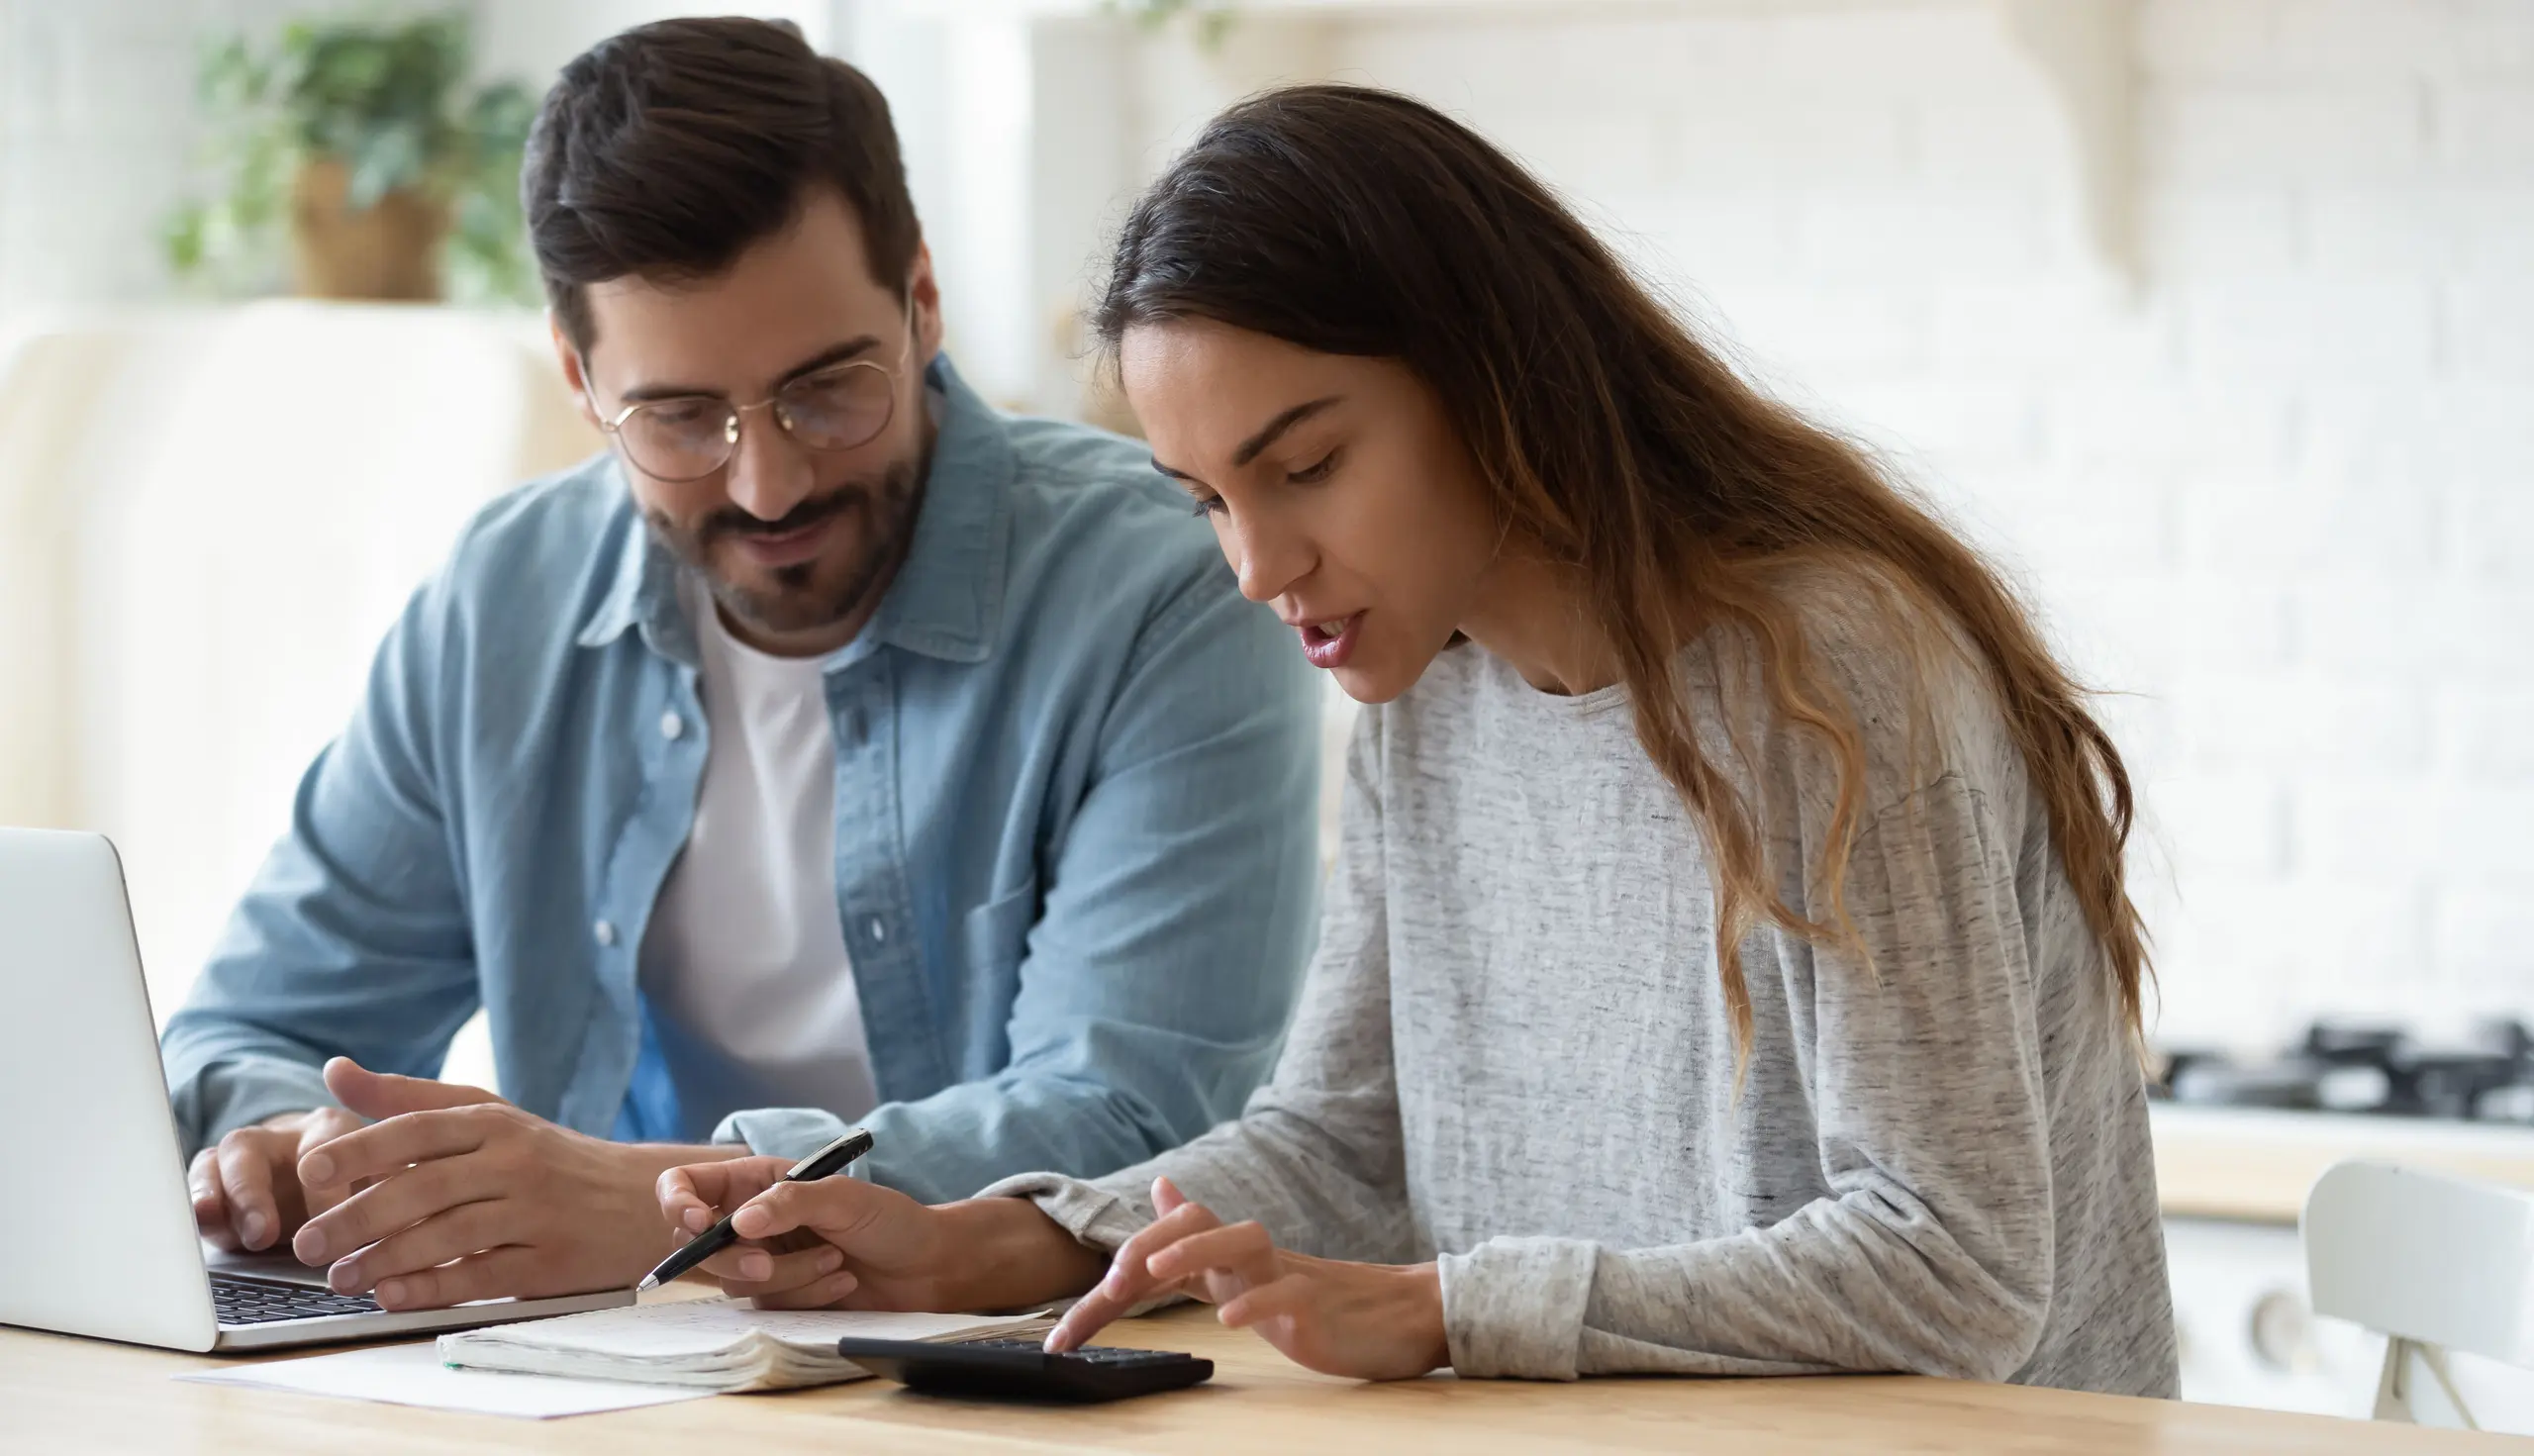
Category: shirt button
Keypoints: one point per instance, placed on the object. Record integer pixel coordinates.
(879, 932)
(671, 726)
(604, 932)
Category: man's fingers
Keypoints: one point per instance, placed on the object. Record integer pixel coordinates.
(381, 1094)
(469, 1229)
(1166, 1196)
(384, 1148)
(319, 1195)
(495, 1272)
(320, 1199)
(387, 1206)
(247, 1186)
(211, 1206)
(325, 1125)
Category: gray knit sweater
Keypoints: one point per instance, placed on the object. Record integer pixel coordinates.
(1513, 1055)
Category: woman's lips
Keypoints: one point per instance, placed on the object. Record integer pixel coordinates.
(1330, 643)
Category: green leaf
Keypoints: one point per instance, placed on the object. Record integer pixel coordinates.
(182, 238)
(1213, 18)
(386, 160)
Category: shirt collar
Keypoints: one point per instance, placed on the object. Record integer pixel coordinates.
(947, 598)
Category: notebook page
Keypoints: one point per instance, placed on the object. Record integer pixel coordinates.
(697, 1328)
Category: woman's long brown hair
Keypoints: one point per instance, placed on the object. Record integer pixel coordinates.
(1345, 219)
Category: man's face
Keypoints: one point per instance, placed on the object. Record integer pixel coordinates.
(796, 544)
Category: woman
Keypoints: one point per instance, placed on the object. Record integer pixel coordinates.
(1728, 967)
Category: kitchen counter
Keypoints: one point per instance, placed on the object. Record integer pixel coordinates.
(2255, 1164)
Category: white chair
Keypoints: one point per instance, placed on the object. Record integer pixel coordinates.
(2434, 1263)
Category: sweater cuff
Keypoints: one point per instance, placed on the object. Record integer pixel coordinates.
(1097, 1218)
(1514, 1307)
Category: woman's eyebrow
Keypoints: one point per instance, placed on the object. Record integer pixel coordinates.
(1267, 433)
(1265, 437)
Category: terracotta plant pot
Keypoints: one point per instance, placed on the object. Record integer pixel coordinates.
(389, 250)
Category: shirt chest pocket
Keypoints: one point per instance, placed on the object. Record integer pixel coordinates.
(992, 936)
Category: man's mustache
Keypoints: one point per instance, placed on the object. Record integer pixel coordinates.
(731, 521)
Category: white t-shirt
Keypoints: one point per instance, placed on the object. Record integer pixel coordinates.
(745, 950)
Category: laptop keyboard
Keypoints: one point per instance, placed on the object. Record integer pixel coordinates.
(241, 1300)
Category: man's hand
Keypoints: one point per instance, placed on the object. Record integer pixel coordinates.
(1373, 1321)
(465, 1197)
(246, 1190)
(842, 1243)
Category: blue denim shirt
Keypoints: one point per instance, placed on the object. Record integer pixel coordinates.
(1075, 858)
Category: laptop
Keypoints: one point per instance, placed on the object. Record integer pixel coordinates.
(97, 1235)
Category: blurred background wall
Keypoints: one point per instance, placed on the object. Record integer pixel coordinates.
(2214, 317)
(2279, 490)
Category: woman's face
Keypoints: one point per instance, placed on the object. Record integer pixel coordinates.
(1340, 494)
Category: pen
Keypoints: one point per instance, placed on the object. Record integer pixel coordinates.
(827, 1162)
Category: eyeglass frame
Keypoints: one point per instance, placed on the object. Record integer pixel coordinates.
(613, 425)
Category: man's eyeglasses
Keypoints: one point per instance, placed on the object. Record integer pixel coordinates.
(690, 436)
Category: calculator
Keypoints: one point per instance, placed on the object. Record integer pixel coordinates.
(1022, 1370)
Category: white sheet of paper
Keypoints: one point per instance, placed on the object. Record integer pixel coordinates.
(412, 1374)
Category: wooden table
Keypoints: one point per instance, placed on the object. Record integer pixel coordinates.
(85, 1395)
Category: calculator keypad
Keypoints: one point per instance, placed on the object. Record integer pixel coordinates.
(1019, 1369)
(1094, 1354)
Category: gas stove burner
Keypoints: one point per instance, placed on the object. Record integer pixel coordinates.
(2488, 1075)
(2351, 1045)
(2216, 1081)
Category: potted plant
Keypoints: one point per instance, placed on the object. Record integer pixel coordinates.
(366, 146)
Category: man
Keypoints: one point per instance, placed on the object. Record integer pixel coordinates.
(833, 750)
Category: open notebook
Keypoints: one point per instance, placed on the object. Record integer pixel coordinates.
(712, 1344)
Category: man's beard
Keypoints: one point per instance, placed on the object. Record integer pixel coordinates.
(799, 601)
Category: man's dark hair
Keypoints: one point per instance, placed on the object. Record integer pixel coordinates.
(667, 151)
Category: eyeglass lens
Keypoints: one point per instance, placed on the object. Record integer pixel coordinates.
(835, 408)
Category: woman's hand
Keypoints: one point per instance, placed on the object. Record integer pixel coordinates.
(1372, 1322)
(842, 1243)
